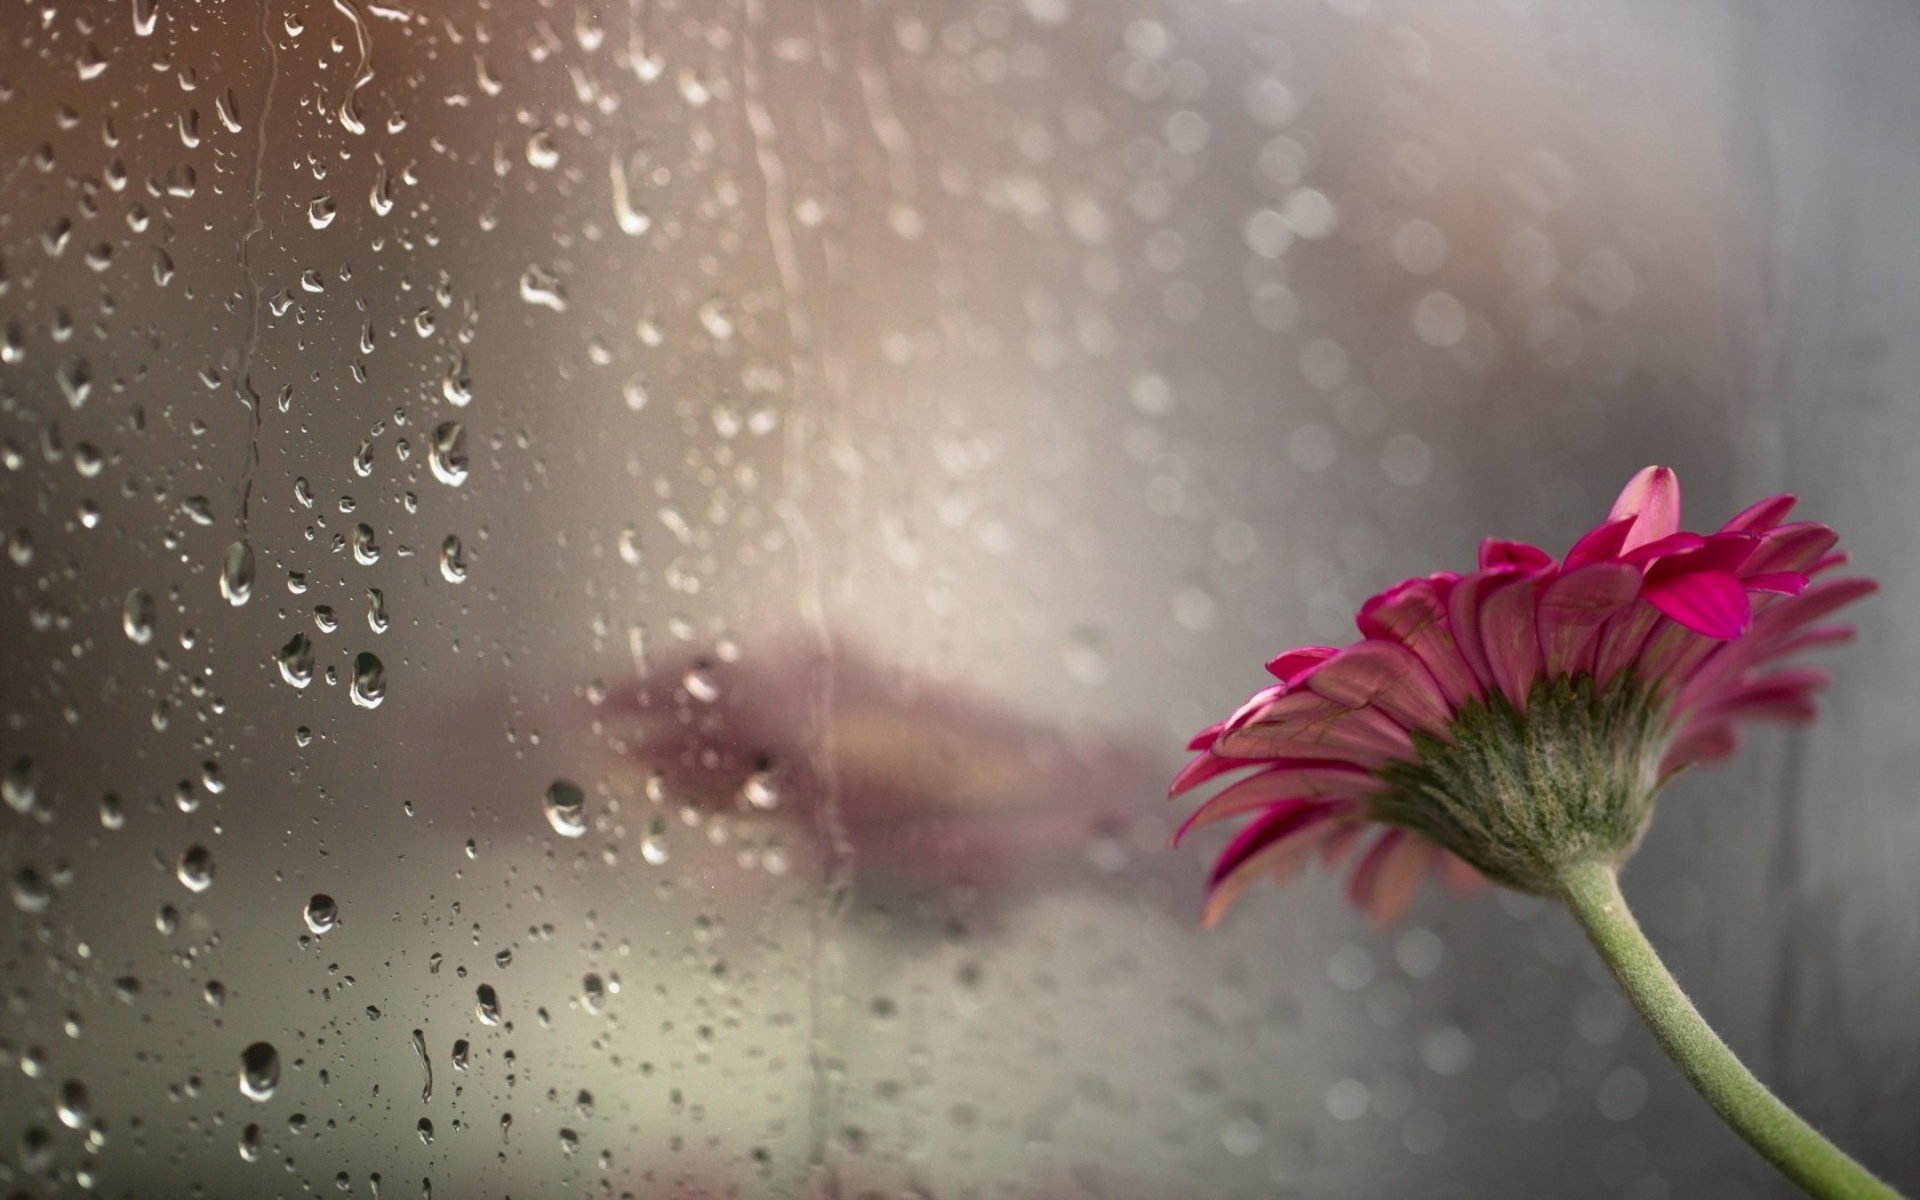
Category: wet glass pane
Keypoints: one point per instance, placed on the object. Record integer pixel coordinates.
(602, 597)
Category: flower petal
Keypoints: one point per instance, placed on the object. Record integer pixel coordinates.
(1602, 544)
(1364, 736)
(1278, 842)
(1710, 602)
(1288, 667)
(1509, 635)
(1758, 518)
(1389, 873)
(1280, 784)
(1389, 677)
(1205, 769)
(1415, 615)
(1574, 606)
(1793, 547)
(1463, 618)
(1620, 640)
(1653, 497)
(1496, 553)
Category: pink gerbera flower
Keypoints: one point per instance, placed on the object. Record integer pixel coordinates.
(1517, 720)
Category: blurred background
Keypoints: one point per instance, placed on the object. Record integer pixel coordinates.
(601, 598)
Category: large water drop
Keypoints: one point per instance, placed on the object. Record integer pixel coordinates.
(566, 808)
(137, 617)
(236, 574)
(448, 456)
(195, 868)
(259, 1071)
(369, 681)
(322, 913)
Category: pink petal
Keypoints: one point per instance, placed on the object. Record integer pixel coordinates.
(1509, 635)
(1388, 874)
(1460, 874)
(1705, 743)
(1205, 738)
(1363, 736)
(1760, 517)
(1463, 617)
(1780, 583)
(1276, 844)
(1659, 548)
(1621, 638)
(1279, 784)
(1793, 547)
(1281, 821)
(1652, 496)
(1496, 553)
(1288, 667)
(1389, 677)
(1710, 602)
(1601, 544)
(1205, 769)
(1573, 606)
(1774, 630)
(1785, 695)
(1415, 615)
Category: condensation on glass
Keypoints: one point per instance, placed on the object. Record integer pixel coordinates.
(600, 598)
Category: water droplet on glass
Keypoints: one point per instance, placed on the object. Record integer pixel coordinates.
(322, 913)
(366, 551)
(236, 574)
(145, 14)
(448, 455)
(259, 1071)
(320, 212)
(566, 808)
(250, 1143)
(21, 786)
(593, 994)
(629, 546)
(461, 1050)
(369, 681)
(30, 891)
(569, 1142)
(453, 565)
(75, 1108)
(296, 661)
(538, 287)
(137, 617)
(488, 1008)
(542, 154)
(760, 791)
(635, 392)
(426, 1065)
(195, 868)
(376, 610)
(425, 1130)
(380, 198)
(633, 222)
(700, 685)
(76, 380)
(455, 385)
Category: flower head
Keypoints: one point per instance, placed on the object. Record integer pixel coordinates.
(1520, 718)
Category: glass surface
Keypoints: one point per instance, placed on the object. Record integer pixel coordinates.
(602, 598)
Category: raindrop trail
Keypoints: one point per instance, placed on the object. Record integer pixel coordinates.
(887, 128)
(796, 484)
(426, 1065)
(362, 75)
(243, 387)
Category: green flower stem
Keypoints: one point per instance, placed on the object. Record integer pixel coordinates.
(1592, 891)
